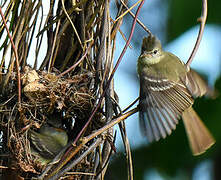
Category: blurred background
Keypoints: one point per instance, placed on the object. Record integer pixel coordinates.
(175, 24)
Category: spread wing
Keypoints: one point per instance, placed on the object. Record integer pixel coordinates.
(162, 103)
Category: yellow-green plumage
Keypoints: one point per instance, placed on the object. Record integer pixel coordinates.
(47, 143)
(167, 88)
(163, 64)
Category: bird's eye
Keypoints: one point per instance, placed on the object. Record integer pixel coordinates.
(155, 51)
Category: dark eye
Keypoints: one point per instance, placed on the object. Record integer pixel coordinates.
(155, 51)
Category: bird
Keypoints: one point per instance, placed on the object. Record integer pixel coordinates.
(47, 142)
(167, 91)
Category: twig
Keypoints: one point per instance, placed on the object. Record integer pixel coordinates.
(39, 39)
(16, 58)
(74, 66)
(50, 35)
(50, 64)
(127, 149)
(128, 10)
(76, 161)
(112, 74)
(72, 24)
(111, 124)
(105, 164)
(108, 63)
(73, 149)
(202, 21)
(101, 55)
(116, 26)
(128, 107)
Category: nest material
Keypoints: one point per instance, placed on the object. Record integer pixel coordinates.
(46, 92)
(75, 30)
(71, 98)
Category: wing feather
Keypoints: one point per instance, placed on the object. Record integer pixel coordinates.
(157, 117)
(168, 115)
(162, 103)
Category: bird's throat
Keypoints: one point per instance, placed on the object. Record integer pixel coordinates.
(150, 60)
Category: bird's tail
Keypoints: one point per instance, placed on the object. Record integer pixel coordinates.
(199, 136)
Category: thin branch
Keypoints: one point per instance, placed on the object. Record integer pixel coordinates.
(128, 107)
(105, 164)
(16, 58)
(112, 74)
(50, 64)
(39, 39)
(74, 149)
(127, 149)
(72, 24)
(111, 124)
(75, 65)
(128, 10)
(202, 21)
(77, 160)
(116, 26)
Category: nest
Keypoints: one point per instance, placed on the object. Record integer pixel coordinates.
(47, 95)
(67, 85)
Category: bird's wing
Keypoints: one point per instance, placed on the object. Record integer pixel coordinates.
(195, 84)
(162, 103)
(46, 146)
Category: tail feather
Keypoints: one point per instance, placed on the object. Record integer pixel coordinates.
(199, 136)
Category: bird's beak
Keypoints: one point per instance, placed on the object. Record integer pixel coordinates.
(146, 55)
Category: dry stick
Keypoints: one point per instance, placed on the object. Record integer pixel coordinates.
(127, 149)
(102, 48)
(116, 26)
(49, 29)
(111, 124)
(112, 74)
(101, 98)
(202, 21)
(53, 47)
(128, 10)
(72, 24)
(108, 63)
(75, 65)
(128, 107)
(76, 161)
(16, 58)
(86, 140)
(98, 132)
(39, 40)
(105, 164)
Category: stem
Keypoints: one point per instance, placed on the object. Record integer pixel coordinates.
(202, 21)
(16, 58)
(112, 74)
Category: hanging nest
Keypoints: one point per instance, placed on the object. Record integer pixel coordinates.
(64, 82)
(46, 97)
